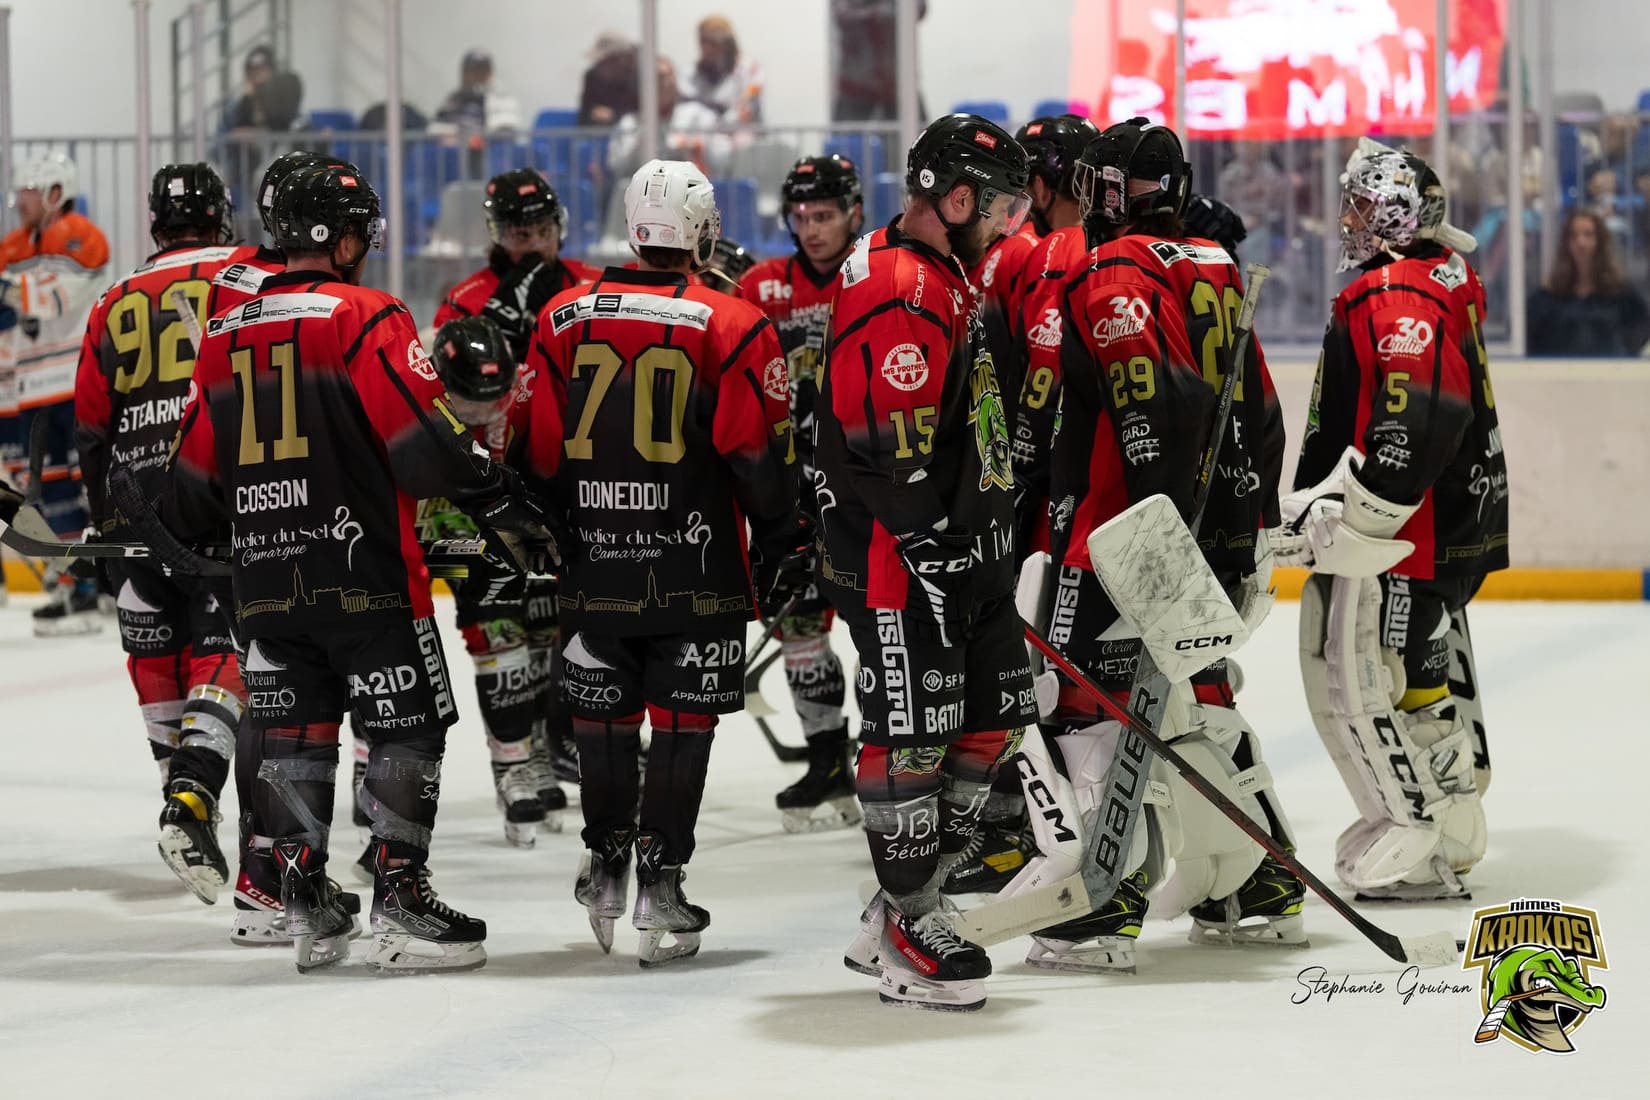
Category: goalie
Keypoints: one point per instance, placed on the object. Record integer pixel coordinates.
(1148, 334)
(1400, 510)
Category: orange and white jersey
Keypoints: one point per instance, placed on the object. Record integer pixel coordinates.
(57, 274)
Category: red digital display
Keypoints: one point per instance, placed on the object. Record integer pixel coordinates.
(1275, 69)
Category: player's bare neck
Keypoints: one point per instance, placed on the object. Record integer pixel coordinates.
(321, 265)
(921, 222)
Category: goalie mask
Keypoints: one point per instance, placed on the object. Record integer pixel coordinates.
(1391, 200)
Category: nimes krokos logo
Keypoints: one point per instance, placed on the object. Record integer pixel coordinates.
(1536, 957)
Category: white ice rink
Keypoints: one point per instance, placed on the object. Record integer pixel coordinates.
(115, 982)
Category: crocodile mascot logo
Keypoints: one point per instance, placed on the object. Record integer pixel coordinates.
(990, 422)
(1536, 956)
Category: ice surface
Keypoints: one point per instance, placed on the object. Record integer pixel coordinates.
(113, 980)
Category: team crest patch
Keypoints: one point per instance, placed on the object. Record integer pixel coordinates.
(774, 382)
(989, 420)
(419, 363)
(1536, 957)
(904, 368)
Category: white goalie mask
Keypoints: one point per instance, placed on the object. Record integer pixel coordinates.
(1392, 199)
(670, 204)
(42, 172)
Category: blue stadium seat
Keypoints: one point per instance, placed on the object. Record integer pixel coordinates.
(1570, 159)
(1059, 107)
(865, 150)
(331, 119)
(886, 199)
(736, 199)
(555, 118)
(993, 109)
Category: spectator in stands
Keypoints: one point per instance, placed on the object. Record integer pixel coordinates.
(863, 47)
(610, 83)
(272, 98)
(692, 132)
(1256, 188)
(475, 106)
(729, 85)
(1586, 308)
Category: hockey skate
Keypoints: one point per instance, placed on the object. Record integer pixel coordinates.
(661, 907)
(413, 932)
(864, 954)
(189, 839)
(1270, 903)
(603, 885)
(73, 609)
(260, 920)
(518, 797)
(824, 797)
(925, 964)
(551, 797)
(1100, 943)
(316, 921)
(992, 857)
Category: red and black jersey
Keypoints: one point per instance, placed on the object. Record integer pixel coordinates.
(1404, 378)
(1002, 274)
(244, 275)
(659, 412)
(1147, 330)
(513, 294)
(797, 300)
(136, 360)
(912, 429)
(1057, 257)
(318, 419)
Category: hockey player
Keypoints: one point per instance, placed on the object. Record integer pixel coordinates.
(317, 419)
(525, 268)
(136, 360)
(1400, 511)
(821, 205)
(660, 411)
(727, 266)
(473, 360)
(915, 496)
(1146, 332)
(52, 268)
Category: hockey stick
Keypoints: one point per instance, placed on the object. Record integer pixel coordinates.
(1124, 784)
(36, 488)
(1490, 1029)
(191, 321)
(756, 704)
(128, 496)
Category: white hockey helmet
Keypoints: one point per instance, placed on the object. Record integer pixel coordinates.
(1395, 199)
(670, 204)
(42, 172)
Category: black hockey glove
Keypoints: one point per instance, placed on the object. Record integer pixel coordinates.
(942, 569)
(778, 574)
(509, 307)
(10, 501)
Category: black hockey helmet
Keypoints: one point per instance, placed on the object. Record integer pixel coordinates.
(967, 149)
(522, 196)
(729, 261)
(316, 206)
(1210, 218)
(473, 359)
(1132, 150)
(816, 179)
(190, 198)
(1052, 144)
(279, 169)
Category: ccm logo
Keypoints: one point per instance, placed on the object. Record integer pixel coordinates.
(1208, 641)
(955, 566)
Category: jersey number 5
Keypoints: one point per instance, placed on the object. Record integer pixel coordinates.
(662, 378)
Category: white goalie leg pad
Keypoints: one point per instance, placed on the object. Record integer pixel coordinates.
(1256, 594)
(1314, 618)
(1088, 754)
(1032, 592)
(1463, 688)
(1415, 770)
(1056, 820)
(1155, 574)
(1214, 856)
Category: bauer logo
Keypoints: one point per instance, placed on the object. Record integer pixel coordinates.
(1535, 957)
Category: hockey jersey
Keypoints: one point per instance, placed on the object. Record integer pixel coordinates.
(797, 299)
(1404, 377)
(659, 415)
(244, 275)
(517, 293)
(317, 416)
(912, 429)
(1146, 333)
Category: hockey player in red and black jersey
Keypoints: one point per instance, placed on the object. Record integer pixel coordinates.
(250, 265)
(136, 361)
(1146, 336)
(316, 418)
(525, 269)
(822, 207)
(1400, 510)
(916, 516)
(486, 394)
(659, 409)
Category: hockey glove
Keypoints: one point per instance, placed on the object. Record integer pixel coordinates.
(1339, 527)
(10, 501)
(777, 574)
(941, 564)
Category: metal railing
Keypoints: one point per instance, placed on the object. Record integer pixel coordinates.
(206, 42)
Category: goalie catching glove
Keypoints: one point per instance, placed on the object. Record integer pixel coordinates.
(1339, 527)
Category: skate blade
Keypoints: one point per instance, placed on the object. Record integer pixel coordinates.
(1286, 932)
(521, 834)
(1413, 893)
(864, 954)
(395, 953)
(836, 813)
(903, 989)
(71, 627)
(653, 951)
(311, 952)
(255, 928)
(1105, 956)
(202, 880)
